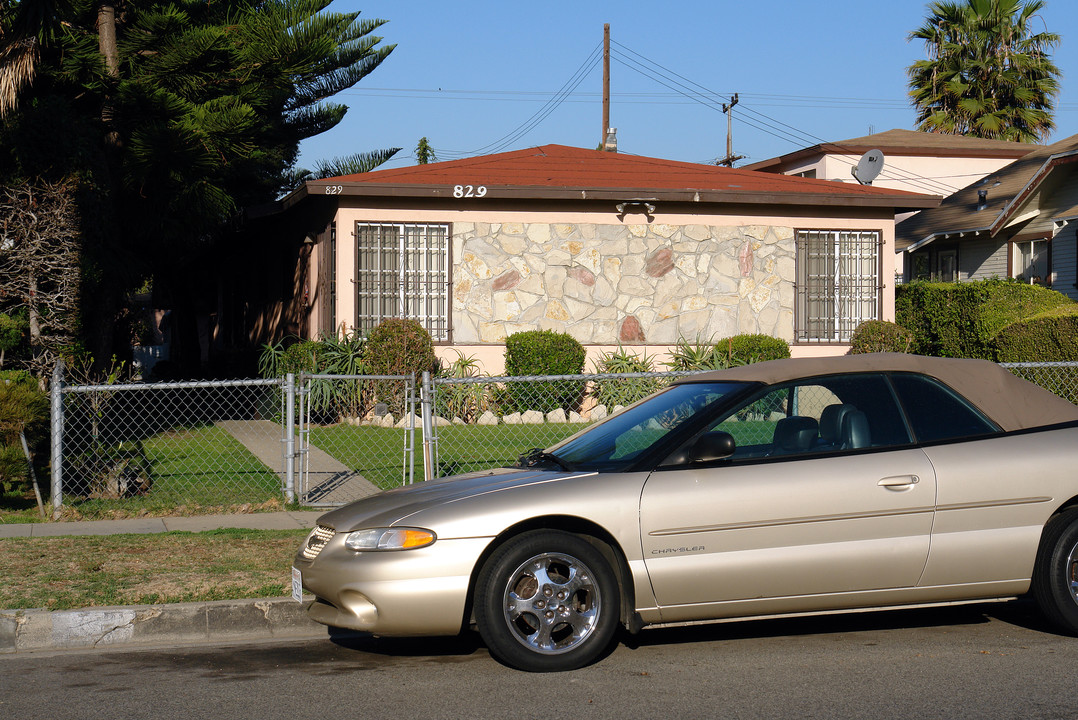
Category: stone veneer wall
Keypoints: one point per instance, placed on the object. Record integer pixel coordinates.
(605, 284)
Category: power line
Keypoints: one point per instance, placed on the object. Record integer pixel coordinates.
(528, 125)
(761, 121)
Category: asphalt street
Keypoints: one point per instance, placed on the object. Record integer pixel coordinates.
(983, 661)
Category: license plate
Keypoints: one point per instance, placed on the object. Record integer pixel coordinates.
(297, 585)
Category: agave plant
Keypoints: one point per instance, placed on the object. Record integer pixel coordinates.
(465, 401)
(695, 355)
(613, 392)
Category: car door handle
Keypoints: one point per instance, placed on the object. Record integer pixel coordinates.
(899, 482)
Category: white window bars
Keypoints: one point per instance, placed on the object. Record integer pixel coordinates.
(838, 283)
(402, 270)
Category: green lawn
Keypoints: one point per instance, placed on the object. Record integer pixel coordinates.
(462, 448)
(197, 470)
(378, 453)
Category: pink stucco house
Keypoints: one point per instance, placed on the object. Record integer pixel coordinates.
(923, 162)
(610, 248)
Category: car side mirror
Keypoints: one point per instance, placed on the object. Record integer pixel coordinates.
(712, 446)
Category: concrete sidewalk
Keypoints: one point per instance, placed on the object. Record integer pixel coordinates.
(141, 526)
(165, 624)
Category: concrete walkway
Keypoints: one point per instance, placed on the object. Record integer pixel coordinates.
(330, 483)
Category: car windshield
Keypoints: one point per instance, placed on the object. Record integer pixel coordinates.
(621, 440)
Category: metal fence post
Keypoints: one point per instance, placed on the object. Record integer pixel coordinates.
(428, 426)
(57, 439)
(290, 437)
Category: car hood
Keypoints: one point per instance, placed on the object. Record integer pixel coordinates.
(393, 506)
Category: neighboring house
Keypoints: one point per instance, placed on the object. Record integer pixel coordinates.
(1016, 223)
(612, 249)
(922, 162)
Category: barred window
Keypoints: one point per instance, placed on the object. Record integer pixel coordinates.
(402, 270)
(838, 283)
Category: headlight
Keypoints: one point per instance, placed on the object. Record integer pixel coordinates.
(389, 539)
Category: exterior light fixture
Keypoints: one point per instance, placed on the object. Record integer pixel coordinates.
(643, 206)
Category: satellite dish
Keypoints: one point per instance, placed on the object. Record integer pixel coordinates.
(868, 167)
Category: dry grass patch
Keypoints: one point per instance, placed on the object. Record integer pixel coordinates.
(59, 573)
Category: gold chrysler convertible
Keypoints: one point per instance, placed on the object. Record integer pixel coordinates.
(790, 486)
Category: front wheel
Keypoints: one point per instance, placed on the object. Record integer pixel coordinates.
(1055, 577)
(547, 600)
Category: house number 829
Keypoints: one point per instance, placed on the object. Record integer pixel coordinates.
(467, 191)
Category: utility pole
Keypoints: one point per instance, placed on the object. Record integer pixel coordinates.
(730, 158)
(606, 85)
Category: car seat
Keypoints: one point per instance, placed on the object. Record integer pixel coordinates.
(795, 434)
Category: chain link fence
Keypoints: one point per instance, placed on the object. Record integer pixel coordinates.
(480, 423)
(322, 441)
(1060, 378)
(198, 447)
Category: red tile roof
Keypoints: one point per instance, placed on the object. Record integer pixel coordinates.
(560, 172)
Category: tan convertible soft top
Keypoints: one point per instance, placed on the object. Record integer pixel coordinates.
(1012, 402)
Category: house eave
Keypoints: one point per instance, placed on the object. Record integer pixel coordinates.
(938, 236)
(1007, 215)
(688, 195)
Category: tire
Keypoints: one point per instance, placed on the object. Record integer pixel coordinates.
(1055, 576)
(547, 601)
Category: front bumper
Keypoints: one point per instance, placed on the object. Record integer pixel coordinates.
(393, 593)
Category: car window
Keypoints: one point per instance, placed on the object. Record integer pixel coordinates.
(936, 412)
(819, 415)
(622, 439)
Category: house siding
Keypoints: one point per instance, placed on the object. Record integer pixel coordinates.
(1065, 261)
(980, 259)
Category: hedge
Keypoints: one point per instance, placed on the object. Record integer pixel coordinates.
(544, 352)
(1050, 336)
(746, 349)
(874, 336)
(961, 319)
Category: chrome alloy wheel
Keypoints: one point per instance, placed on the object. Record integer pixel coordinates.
(551, 603)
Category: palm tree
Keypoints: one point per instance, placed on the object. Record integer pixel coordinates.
(24, 28)
(337, 167)
(989, 73)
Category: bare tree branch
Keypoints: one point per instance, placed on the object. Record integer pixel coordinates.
(40, 266)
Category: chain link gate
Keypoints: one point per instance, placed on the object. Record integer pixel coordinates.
(355, 436)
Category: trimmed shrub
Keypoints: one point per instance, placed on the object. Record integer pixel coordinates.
(398, 346)
(748, 349)
(544, 352)
(874, 336)
(960, 319)
(300, 357)
(1050, 336)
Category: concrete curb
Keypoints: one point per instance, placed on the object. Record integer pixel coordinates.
(173, 623)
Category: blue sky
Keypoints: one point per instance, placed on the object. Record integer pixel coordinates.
(478, 76)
